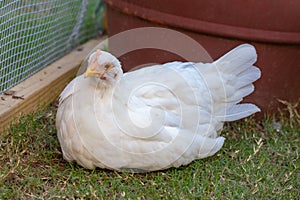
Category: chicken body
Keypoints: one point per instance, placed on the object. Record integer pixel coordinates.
(156, 117)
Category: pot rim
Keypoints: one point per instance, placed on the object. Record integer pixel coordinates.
(211, 28)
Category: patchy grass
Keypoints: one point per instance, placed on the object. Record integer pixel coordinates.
(256, 162)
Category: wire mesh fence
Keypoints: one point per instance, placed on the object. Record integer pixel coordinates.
(35, 33)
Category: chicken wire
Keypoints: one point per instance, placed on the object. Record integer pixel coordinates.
(35, 33)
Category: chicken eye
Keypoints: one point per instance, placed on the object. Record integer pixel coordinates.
(107, 66)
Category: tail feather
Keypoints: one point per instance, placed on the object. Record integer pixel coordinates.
(238, 74)
(247, 77)
(237, 60)
(240, 111)
(240, 93)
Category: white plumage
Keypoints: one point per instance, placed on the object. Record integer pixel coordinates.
(156, 117)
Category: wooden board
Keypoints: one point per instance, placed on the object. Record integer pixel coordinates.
(43, 87)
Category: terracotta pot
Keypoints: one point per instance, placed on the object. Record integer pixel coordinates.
(271, 26)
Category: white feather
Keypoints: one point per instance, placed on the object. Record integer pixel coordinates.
(156, 117)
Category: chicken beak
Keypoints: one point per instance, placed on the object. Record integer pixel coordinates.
(91, 72)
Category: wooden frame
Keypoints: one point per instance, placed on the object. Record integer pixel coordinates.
(43, 87)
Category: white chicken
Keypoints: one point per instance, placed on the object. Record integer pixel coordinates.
(156, 117)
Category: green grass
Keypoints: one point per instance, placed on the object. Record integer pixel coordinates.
(256, 162)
